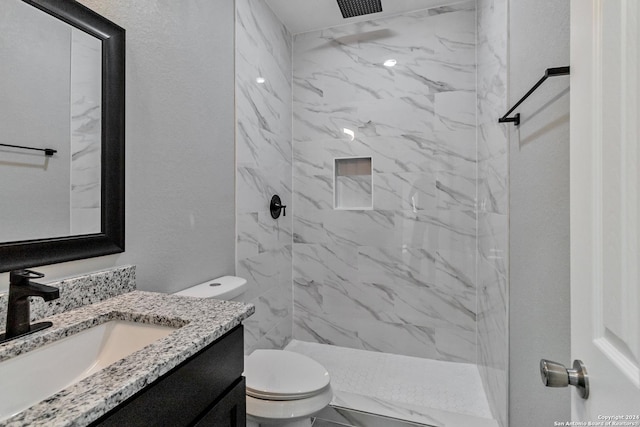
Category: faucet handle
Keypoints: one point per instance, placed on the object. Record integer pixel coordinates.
(20, 276)
(30, 274)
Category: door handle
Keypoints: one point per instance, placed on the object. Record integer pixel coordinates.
(556, 375)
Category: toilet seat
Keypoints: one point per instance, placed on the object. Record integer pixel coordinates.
(279, 375)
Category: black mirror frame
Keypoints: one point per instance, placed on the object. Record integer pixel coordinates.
(38, 252)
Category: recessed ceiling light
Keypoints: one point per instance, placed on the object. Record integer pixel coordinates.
(349, 132)
(390, 63)
(260, 80)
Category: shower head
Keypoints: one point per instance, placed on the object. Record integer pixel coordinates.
(351, 8)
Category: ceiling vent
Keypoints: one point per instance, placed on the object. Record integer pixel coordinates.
(351, 8)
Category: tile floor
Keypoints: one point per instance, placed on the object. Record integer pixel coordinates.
(401, 390)
(333, 417)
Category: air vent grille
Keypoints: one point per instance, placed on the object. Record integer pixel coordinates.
(351, 8)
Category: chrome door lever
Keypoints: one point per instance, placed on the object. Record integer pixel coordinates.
(556, 375)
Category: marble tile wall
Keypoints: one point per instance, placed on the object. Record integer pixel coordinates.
(86, 132)
(263, 168)
(398, 278)
(493, 204)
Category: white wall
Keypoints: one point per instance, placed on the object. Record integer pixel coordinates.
(180, 203)
(539, 212)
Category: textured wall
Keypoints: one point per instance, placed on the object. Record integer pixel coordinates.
(263, 160)
(180, 209)
(398, 278)
(493, 221)
(539, 212)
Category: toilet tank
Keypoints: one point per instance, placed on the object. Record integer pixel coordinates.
(226, 287)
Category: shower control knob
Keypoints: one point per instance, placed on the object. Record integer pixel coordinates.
(556, 375)
(276, 206)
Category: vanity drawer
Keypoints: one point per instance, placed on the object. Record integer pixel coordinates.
(230, 411)
(183, 395)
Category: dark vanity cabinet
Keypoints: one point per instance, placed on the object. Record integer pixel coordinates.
(206, 390)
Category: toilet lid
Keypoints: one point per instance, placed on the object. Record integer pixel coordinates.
(283, 375)
(226, 287)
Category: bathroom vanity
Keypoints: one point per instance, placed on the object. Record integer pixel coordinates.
(207, 389)
(191, 376)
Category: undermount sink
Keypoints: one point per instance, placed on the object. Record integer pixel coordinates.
(32, 377)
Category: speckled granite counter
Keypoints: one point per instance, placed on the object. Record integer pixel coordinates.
(200, 322)
(78, 291)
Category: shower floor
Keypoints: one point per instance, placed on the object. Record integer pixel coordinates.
(410, 390)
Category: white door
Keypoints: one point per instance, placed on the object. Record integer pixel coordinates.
(605, 210)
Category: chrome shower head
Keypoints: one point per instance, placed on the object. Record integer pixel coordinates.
(351, 8)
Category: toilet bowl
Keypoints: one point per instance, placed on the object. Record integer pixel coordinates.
(283, 388)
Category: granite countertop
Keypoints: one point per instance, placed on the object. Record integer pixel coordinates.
(200, 322)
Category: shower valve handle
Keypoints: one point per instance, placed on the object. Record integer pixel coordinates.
(276, 206)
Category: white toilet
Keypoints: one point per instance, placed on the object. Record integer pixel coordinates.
(283, 388)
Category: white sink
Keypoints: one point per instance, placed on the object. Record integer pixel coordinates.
(32, 377)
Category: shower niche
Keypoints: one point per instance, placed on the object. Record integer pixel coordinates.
(352, 185)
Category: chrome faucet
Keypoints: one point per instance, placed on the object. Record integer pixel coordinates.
(19, 311)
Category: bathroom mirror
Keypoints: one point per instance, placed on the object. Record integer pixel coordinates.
(62, 74)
